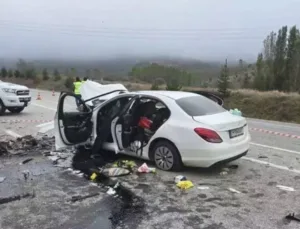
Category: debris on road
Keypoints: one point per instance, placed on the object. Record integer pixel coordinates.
(262, 156)
(233, 166)
(186, 184)
(285, 188)
(145, 169)
(26, 161)
(223, 173)
(111, 191)
(292, 216)
(203, 187)
(225, 169)
(125, 164)
(25, 174)
(23, 145)
(115, 172)
(234, 190)
(183, 183)
(6, 200)
(2, 179)
(79, 197)
(179, 178)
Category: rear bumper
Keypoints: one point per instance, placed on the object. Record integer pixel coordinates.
(211, 156)
(16, 101)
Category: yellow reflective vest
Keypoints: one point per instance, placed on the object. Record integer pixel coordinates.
(77, 86)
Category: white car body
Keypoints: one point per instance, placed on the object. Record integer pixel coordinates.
(13, 96)
(178, 130)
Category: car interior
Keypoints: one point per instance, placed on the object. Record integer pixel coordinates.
(139, 122)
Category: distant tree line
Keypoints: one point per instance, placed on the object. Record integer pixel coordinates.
(278, 65)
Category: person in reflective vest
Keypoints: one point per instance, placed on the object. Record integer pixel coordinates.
(77, 85)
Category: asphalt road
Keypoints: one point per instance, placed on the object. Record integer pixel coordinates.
(274, 159)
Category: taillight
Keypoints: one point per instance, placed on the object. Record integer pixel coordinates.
(208, 135)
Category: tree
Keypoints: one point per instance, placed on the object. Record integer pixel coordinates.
(10, 73)
(57, 76)
(30, 73)
(279, 62)
(291, 59)
(69, 82)
(173, 85)
(223, 81)
(259, 79)
(45, 74)
(246, 81)
(17, 73)
(4, 72)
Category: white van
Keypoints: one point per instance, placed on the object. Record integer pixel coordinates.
(13, 97)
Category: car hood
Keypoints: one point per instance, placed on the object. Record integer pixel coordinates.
(91, 89)
(12, 86)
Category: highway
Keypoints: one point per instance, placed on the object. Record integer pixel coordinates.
(274, 159)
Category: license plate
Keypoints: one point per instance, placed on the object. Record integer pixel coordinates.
(25, 99)
(236, 132)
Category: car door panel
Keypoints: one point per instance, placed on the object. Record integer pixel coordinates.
(120, 126)
(72, 127)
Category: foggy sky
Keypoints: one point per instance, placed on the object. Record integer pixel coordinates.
(202, 29)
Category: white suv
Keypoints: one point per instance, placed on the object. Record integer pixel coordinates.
(13, 97)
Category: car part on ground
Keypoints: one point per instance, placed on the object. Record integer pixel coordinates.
(292, 216)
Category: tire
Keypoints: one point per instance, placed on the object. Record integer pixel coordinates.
(2, 108)
(15, 110)
(166, 156)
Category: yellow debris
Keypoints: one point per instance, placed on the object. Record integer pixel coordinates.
(186, 184)
(93, 176)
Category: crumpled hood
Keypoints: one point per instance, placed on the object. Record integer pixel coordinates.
(13, 86)
(90, 89)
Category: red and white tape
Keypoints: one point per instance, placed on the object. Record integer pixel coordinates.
(275, 133)
(24, 121)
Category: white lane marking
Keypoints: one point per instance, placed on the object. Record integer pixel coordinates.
(271, 165)
(38, 105)
(13, 134)
(45, 124)
(45, 127)
(275, 148)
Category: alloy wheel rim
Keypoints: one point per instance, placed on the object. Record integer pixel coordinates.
(163, 158)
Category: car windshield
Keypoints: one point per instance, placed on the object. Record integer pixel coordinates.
(199, 106)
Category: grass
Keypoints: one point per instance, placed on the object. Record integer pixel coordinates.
(272, 105)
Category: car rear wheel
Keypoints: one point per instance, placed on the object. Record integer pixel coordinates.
(16, 110)
(2, 108)
(166, 156)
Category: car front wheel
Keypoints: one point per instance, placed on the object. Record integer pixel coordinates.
(16, 110)
(166, 156)
(2, 108)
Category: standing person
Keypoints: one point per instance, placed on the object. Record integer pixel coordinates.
(77, 85)
(85, 79)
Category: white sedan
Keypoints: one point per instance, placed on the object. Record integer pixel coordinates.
(171, 128)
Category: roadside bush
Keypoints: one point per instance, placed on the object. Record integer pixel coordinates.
(69, 83)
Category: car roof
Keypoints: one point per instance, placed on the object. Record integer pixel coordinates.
(170, 94)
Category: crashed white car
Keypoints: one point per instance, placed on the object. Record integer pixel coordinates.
(171, 128)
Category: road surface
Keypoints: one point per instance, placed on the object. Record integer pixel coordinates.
(274, 159)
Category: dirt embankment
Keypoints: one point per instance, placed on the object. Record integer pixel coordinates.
(275, 106)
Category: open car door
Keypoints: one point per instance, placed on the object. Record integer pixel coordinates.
(73, 126)
(121, 126)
